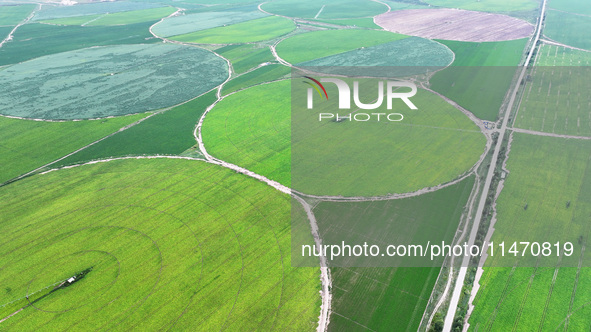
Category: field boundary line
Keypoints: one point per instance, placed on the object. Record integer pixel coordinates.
(541, 133)
(547, 40)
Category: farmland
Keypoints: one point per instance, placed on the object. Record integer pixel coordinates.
(261, 75)
(146, 245)
(325, 9)
(245, 57)
(543, 294)
(552, 55)
(13, 15)
(96, 77)
(267, 151)
(127, 17)
(565, 28)
(168, 133)
(314, 45)
(184, 24)
(53, 12)
(27, 144)
(450, 24)
(244, 32)
(556, 100)
(388, 298)
(571, 6)
(35, 40)
(480, 75)
(487, 5)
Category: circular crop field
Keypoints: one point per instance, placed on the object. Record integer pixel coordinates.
(135, 244)
(454, 24)
(325, 9)
(255, 129)
(108, 81)
(363, 48)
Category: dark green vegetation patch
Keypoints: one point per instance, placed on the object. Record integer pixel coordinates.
(480, 75)
(106, 81)
(167, 243)
(168, 133)
(389, 298)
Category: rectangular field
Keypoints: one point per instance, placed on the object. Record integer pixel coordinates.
(12, 15)
(566, 28)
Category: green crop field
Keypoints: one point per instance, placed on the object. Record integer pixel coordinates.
(261, 75)
(35, 40)
(528, 297)
(244, 32)
(556, 100)
(184, 24)
(28, 144)
(388, 298)
(572, 6)
(52, 12)
(245, 57)
(488, 5)
(215, 254)
(325, 9)
(480, 75)
(437, 134)
(106, 81)
(407, 52)
(566, 28)
(319, 44)
(13, 15)
(559, 56)
(128, 17)
(168, 133)
(356, 22)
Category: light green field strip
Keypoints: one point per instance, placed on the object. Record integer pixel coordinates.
(129, 17)
(97, 8)
(252, 129)
(552, 55)
(183, 24)
(105, 81)
(245, 32)
(487, 5)
(547, 174)
(169, 243)
(26, 145)
(572, 6)
(325, 9)
(13, 15)
(319, 44)
(556, 100)
(566, 28)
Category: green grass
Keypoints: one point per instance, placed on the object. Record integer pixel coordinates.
(566, 28)
(358, 22)
(573, 6)
(261, 75)
(552, 55)
(168, 133)
(129, 17)
(35, 40)
(319, 44)
(480, 75)
(488, 5)
(244, 32)
(407, 52)
(192, 22)
(437, 134)
(4, 31)
(556, 100)
(27, 144)
(562, 173)
(107, 81)
(384, 298)
(13, 15)
(52, 12)
(245, 57)
(171, 243)
(325, 9)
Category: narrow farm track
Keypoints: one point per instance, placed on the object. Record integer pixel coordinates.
(9, 37)
(541, 133)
